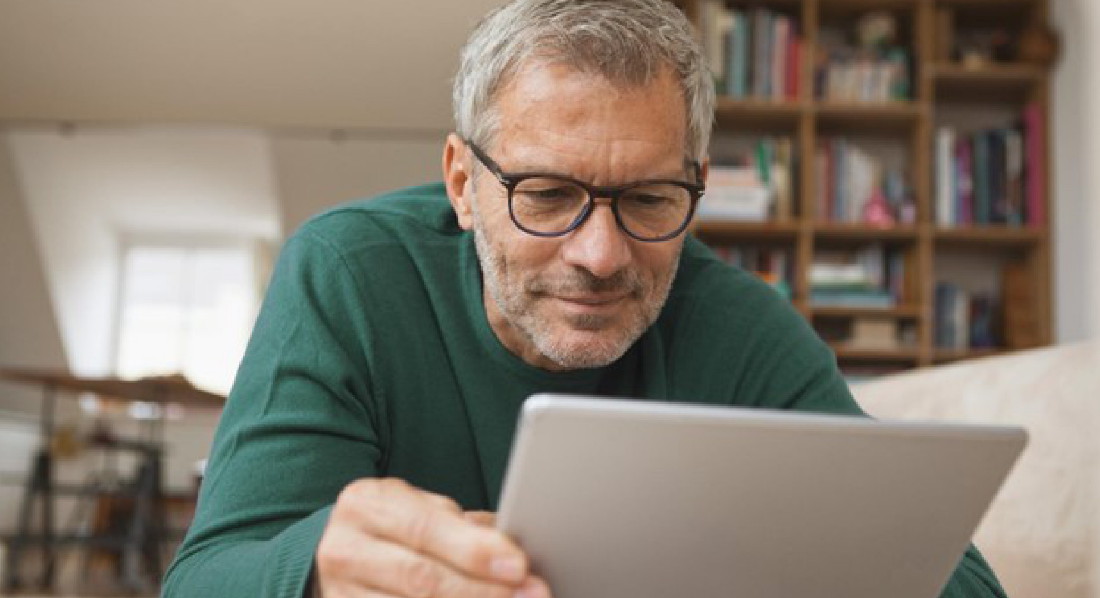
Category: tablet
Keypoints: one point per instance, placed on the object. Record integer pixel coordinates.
(632, 499)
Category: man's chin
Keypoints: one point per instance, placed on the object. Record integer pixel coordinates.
(580, 348)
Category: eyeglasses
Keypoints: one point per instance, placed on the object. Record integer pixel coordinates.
(552, 205)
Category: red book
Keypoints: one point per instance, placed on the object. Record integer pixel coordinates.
(794, 65)
(1034, 164)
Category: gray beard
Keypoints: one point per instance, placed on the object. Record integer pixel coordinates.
(515, 303)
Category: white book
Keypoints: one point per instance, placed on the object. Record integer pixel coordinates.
(945, 177)
(861, 183)
(735, 193)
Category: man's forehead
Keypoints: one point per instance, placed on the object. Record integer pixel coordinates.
(552, 101)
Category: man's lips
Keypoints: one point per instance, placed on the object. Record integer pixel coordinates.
(592, 300)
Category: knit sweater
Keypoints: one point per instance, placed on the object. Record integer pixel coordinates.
(373, 356)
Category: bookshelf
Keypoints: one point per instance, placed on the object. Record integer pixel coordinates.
(908, 91)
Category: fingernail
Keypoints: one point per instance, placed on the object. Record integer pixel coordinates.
(532, 590)
(508, 568)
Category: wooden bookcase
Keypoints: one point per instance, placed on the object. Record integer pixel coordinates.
(942, 91)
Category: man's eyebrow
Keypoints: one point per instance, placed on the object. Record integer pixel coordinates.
(685, 173)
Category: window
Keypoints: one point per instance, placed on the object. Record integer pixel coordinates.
(186, 308)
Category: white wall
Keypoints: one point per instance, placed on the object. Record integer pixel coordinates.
(1076, 170)
(28, 332)
(317, 171)
(28, 336)
(87, 187)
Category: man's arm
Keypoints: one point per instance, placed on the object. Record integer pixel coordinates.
(300, 429)
(298, 426)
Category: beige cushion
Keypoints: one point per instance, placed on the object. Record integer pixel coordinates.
(1041, 533)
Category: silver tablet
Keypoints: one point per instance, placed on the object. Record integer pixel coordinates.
(633, 499)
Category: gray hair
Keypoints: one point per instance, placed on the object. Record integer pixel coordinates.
(629, 42)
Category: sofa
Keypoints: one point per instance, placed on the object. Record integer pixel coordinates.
(1041, 532)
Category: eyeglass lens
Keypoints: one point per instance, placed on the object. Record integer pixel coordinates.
(551, 206)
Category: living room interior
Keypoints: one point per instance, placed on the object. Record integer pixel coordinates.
(154, 156)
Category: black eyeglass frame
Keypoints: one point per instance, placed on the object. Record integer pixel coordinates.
(511, 180)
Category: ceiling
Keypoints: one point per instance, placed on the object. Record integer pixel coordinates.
(362, 64)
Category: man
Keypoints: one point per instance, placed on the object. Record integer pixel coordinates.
(401, 335)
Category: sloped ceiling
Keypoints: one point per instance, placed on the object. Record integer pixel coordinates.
(312, 63)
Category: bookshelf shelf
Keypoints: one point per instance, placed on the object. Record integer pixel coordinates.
(868, 117)
(901, 311)
(863, 232)
(989, 83)
(738, 231)
(848, 6)
(838, 157)
(986, 4)
(760, 113)
(1000, 236)
(904, 354)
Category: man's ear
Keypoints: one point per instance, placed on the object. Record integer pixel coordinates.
(458, 180)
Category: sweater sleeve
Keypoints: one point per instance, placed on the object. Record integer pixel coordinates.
(298, 426)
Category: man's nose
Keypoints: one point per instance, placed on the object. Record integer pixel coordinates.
(599, 245)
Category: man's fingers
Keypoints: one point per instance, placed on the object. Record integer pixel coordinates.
(397, 570)
(482, 518)
(395, 511)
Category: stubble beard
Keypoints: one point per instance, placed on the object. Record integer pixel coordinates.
(517, 299)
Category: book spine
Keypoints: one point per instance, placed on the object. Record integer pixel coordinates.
(1014, 158)
(945, 184)
(739, 48)
(794, 67)
(966, 181)
(1035, 148)
(982, 200)
(781, 30)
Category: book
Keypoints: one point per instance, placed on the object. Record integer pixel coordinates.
(1035, 164)
(850, 178)
(1021, 326)
(735, 193)
(874, 333)
(737, 61)
(981, 178)
(870, 277)
(945, 177)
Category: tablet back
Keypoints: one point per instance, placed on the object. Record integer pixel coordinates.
(634, 499)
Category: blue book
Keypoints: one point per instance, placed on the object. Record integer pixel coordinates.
(737, 56)
(983, 202)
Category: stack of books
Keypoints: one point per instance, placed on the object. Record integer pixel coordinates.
(772, 264)
(754, 53)
(850, 178)
(993, 176)
(755, 185)
(872, 73)
(964, 320)
(872, 277)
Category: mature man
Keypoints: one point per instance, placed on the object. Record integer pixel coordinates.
(367, 432)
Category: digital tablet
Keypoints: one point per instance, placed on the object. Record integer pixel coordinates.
(634, 499)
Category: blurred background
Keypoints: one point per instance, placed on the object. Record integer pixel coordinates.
(154, 155)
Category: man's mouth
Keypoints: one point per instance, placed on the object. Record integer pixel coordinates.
(593, 299)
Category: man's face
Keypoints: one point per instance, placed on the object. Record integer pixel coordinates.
(582, 299)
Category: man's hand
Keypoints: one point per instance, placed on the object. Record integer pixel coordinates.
(387, 539)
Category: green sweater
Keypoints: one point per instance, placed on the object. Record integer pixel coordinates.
(372, 356)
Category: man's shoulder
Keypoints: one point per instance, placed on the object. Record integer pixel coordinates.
(418, 213)
(706, 279)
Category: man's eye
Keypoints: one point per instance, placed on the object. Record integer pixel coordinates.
(649, 200)
(550, 193)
